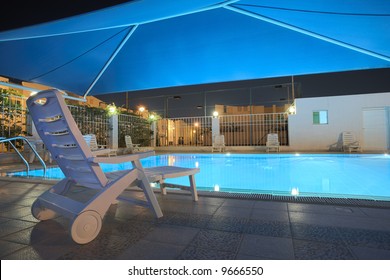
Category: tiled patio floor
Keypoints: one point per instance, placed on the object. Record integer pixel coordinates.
(212, 228)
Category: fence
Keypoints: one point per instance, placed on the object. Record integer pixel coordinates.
(191, 131)
(15, 121)
(138, 128)
(252, 130)
(239, 130)
(92, 121)
(13, 118)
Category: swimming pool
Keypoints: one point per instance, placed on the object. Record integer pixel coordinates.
(324, 175)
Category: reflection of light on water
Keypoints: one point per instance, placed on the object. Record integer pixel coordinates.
(171, 160)
(325, 184)
(216, 188)
(197, 164)
(295, 191)
(297, 154)
(228, 154)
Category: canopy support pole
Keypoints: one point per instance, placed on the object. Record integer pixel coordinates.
(307, 32)
(107, 64)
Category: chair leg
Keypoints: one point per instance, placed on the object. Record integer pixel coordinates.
(193, 190)
(151, 198)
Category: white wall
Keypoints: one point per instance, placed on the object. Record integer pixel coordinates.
(345, 113)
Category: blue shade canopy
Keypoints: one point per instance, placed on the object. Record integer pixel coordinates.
(150, 44)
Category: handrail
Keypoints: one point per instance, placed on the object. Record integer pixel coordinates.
(3, 139)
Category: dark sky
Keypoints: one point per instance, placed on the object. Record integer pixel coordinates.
(195, 99)
(16, 13)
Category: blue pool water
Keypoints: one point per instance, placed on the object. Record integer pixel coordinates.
(324, 175)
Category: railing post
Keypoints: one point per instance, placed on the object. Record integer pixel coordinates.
(153, 127)
(113, 132)
(215, 128)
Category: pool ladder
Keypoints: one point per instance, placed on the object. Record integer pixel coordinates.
(3, 140)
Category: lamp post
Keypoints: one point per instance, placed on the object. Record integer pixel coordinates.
(166, 115)
(196, 133)
(141, 110)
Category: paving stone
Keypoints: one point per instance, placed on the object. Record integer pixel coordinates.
(266, 247)
(311, 250)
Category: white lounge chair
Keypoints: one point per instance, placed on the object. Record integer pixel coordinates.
(272, 142)
(60, 134)
(160, 173)
(130, 146)
(218, 143)
(38, 145)
(350, 143)
(98, 150)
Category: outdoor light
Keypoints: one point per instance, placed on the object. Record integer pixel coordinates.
(196, 124)
(111, 109)
(152, 117)
(215, 114)
(292, 109)
(141, 109)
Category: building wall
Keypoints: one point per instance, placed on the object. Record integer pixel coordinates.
(345, 113)
(244, 110)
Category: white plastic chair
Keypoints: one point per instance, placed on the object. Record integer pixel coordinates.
(60, 134)
(350, 143)
(38, 145)
(98, 150)
(218, 143)
(272, 142)
(160, 173)
(130, 146)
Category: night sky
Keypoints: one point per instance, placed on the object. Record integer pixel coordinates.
(194, 99)
(16, 13)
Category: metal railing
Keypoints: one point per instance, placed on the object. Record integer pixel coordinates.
(239, 130)
(191, 131)
(9, 141)
(92, 121)
(13, 118)
(136, 127)
(252, 129)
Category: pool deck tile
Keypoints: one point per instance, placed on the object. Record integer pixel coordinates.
(212, 228)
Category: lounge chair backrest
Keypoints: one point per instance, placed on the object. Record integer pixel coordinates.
(129, 142)
(219, 140)
(91, 141)
(272, 139)
(61, 136)
(348, 138)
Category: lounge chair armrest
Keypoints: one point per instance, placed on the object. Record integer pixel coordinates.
(124, 158)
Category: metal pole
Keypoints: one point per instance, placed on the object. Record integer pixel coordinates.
(250, 116)
(292, 88)
(205, 104)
